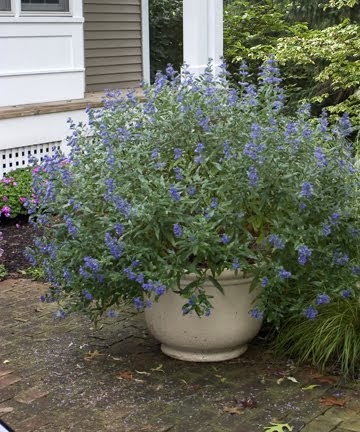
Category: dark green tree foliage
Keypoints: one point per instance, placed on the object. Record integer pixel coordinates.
(165, 34)
(316, 43)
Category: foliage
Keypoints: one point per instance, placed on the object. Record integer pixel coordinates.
(15, 189)
(316, 44)
(200, 178)
(165, 20)
(332, 340)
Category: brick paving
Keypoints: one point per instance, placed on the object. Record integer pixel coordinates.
(58, 376)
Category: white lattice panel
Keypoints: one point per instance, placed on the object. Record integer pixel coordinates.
(11, 159)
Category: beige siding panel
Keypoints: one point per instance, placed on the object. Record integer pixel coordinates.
(115, 34)
(115, 85)
(116, 69)
(112, 52)
(114, 78)
(112, 17)
(108, 8)
(110, 61)
(112, 33)
(112, 43)
(99, 26)
(115, 26)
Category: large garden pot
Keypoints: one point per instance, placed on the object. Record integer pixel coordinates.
(221, 336)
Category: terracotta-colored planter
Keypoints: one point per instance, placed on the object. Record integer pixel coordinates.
(221, 336)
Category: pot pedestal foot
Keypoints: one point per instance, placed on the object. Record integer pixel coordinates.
(203, 356)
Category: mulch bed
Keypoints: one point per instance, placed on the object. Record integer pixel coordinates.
(17, 234)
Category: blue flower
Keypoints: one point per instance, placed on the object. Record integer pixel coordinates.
(72, 229)
(236, 264)
(214, 203)
(345, 293)
(284, 274)
(138, 303)
(276, 241)
(311, 313)
(177, 153)
(335, 217)
(264, 281)
(322, 299)
(178, 231)
(191, 190)
(92, 264)
(119, 229)
(155, 154)
(174, 193)
(253, 176)
(256, 313)
(225, 239)
(159, 289)
(326, 230)
(226, 150)
(88, 296)
(307, 190)
(340, 258)
(111, 313)
(199, 148)
(303, 254)
(178, 173)
(321, 158)
(116, 248)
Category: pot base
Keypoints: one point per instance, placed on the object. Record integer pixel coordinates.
(203, 356)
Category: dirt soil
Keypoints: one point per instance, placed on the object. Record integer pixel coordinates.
(17, 234)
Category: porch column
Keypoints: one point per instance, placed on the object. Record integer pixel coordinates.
(203, 34)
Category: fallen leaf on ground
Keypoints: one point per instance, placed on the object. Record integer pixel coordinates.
(280, 380)
(233, 410)
(6, 361)
(91, 355)
(332, 401)
(126, 375)
(325, 379)
(221, 378)
(142, 372)
(292, 379)
(158, 369)
(310, 387)
(6, 410)
(279, 427)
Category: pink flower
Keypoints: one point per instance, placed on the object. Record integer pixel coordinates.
(14, 184)
(22, 199)
(35, 170)
(17, 226)
(6, 211)
(5, 198)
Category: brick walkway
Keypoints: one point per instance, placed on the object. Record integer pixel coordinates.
(65, 376)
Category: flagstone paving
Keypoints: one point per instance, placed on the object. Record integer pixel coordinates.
(66, 376)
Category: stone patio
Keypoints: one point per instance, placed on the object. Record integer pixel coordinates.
(64, 375)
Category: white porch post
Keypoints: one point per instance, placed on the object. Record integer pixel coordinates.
(203, 34)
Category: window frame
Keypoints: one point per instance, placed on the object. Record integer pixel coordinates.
(8, 5)
(46, 8)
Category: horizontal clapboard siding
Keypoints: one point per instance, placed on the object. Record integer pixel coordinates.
(113, 54)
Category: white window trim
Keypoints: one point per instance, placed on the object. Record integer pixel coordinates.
(17, 12)
(43, 7)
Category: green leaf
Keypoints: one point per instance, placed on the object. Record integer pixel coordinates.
(216, 284)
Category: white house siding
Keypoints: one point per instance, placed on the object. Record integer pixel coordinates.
(41, 57)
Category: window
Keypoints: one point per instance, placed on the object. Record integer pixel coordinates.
(45, 5)
(5, 5)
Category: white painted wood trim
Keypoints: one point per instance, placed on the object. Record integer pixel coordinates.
(42, 72)
(203, 34)
(145, 40)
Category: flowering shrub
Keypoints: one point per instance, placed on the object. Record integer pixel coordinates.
(15, 190)
(199, 178)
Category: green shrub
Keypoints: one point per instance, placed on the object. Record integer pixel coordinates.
(198, 179)
(15, 190)
(331, 340)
